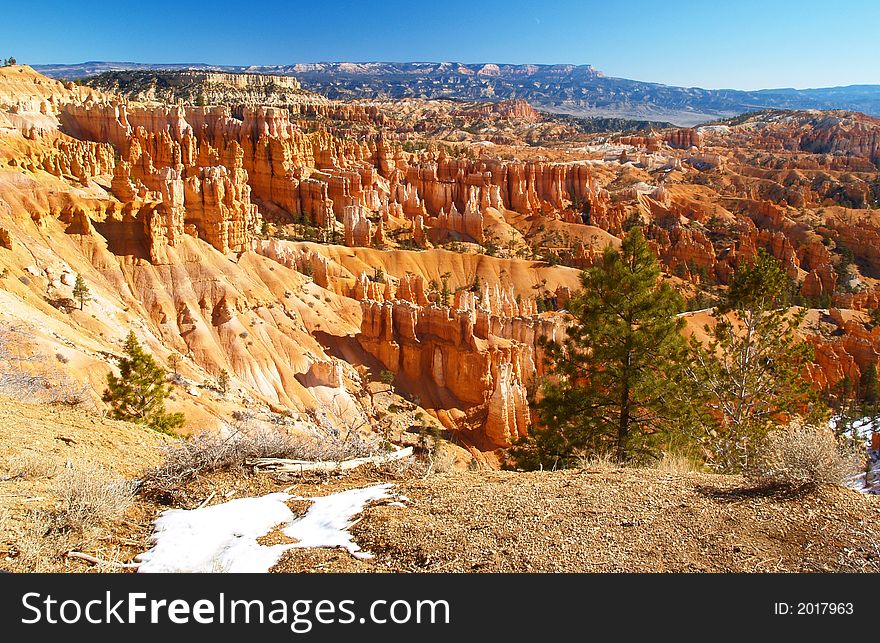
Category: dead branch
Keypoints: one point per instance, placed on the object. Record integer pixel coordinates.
(297, 466)
(98, 561)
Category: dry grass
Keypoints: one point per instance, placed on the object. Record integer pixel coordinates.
(38, 546)
(598, 461)
(29, 465)
(804, 457)
(26, 375)
(93, 498)
(678, 463)
(91, 502)
(207, 452)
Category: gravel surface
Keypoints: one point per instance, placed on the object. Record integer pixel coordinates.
(607, 520)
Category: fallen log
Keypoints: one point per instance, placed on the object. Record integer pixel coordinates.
(284, 465)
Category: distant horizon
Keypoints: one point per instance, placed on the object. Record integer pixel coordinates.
(435, 62)
(754, 44)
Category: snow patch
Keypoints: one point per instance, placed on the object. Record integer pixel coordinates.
(326, 522)
(223, 538)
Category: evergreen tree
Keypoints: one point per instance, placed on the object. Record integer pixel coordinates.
(387, 377)
(446, 292)
(81, 291)
(138, 394)
(223, 382)
(844, 399)
(868, 392)
(174, 362)
(751, 371)
(615, 378)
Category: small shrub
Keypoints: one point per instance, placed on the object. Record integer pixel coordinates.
(803, 457)
(223, 382)
(138, 393)
(93, 498)
(38, 545)
(29, 465)
(61, 357)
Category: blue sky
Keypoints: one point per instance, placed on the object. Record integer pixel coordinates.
(744, 44)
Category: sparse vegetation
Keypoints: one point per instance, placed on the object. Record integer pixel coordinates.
(91, 503)
(207, 452)
(30, 465)
(138, 393)
(387, 377)
(174, 361)
(223, 382)
(616, 374)
(804, 457)
(750, 375)
(81, 291)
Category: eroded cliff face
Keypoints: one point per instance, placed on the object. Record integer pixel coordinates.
(442, 264)
(319, 176)
(480, 355)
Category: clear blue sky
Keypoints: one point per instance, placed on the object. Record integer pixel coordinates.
(743, 44)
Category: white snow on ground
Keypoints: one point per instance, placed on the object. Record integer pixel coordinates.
(869, 482)
(223, 538)
(862, 428)
(326, 521)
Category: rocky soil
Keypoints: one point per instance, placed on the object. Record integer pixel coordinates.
(604, 519)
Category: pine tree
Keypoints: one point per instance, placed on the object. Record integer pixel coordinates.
(751, 371)
(223, 382)
(446, 292)
(615, 378)
(868, 402)
(138, 393)
(81, 291)
(868, 391)
(174, 362)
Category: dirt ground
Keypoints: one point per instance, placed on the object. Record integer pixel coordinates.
(598, 519)
(608, 520)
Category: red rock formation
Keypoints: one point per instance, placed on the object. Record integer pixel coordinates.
(468, 223)
(516, 109)
(820, 281)
(483, 353)
(303, 260)
(683, 247)
(358, 228)
(683, 138)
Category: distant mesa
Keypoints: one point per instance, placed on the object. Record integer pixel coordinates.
(578, 90)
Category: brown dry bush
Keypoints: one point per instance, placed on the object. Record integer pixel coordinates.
(29, 465)
(91, 501)
(205, 452)
(803, 457)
